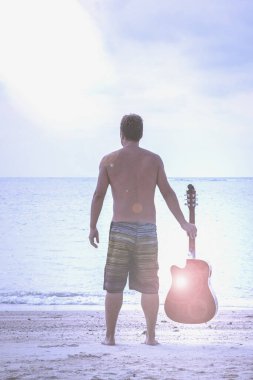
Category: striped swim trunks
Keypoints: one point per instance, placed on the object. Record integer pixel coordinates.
(132, 251)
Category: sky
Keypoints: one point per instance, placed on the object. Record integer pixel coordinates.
(69, 71)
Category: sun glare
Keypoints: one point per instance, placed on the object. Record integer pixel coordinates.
(53, 62)
(181, 281)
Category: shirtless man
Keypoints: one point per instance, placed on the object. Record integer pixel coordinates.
(133, 174)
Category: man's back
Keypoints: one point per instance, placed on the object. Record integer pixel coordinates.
(132, 173)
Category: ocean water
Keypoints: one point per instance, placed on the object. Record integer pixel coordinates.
(46, 258)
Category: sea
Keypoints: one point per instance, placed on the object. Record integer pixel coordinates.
(46, 260)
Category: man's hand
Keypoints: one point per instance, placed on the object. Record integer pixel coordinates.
(94, 236)
(190, 229)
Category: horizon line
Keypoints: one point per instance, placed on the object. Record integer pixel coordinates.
(94, 177)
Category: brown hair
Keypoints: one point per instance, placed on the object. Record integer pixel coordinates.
(131, 127)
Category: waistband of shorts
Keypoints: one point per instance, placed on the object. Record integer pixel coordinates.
(133, 224)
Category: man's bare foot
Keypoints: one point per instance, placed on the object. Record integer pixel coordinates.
(109, 341)
(151, 342)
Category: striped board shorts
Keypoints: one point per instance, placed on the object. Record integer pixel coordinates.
(133, 251)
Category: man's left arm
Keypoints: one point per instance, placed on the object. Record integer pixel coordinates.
(97, 203)
(172, 202)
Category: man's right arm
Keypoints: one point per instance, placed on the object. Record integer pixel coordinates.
(97, 203)
(172, 202)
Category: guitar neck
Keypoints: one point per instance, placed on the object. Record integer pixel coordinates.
(191, 203)
(192, 241)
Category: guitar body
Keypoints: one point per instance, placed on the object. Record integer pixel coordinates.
(190, 299)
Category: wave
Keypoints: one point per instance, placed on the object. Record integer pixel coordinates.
(50, 298)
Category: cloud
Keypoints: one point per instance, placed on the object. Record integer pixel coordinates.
(212, 34)
(185, 66)
(53, 62)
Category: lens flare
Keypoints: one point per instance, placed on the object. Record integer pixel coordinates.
(181, 281)
(137, 208)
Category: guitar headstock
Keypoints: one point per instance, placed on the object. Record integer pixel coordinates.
(191, 197)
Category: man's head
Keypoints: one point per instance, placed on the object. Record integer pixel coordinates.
(131, 127)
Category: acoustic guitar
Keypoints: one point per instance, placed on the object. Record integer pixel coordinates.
(190, 298)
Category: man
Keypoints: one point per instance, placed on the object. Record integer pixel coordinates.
(133, 174)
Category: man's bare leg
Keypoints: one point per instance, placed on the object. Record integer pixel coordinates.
(150, 306)
(113, 303)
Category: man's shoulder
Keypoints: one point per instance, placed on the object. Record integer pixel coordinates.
(152, 155)
(109, 158)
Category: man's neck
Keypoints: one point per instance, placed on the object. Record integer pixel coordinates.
(129, 143)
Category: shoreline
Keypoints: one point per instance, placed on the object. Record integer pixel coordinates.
(96, 307)
(66, 344)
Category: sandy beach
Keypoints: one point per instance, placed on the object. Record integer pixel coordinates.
(67, 345)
